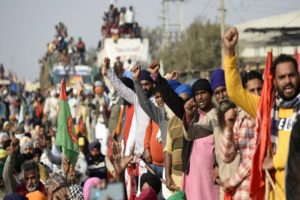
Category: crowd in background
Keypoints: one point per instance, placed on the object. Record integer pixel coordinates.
(144, 135)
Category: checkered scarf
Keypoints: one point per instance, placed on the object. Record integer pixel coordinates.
(280, 103)
(55, 181)
(76, 192)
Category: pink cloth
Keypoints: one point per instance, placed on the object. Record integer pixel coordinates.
(148, 194)
(198, 184)
(89, 183)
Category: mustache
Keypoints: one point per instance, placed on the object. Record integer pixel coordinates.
(288, 85)
(32, 187)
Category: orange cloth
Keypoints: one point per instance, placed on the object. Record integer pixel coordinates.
(127, 123)
(119, 123)
(36, 195)
(150, 141)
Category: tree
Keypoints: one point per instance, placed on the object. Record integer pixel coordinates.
(199, 48)
(155, 39)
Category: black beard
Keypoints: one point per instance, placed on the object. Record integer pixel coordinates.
(148, 93)
(281, 94)
(27, 156)
(95, 158)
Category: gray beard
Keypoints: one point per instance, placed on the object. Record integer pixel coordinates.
(32, 188)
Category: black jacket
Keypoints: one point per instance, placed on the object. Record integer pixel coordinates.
(176, 104)
(292, 180)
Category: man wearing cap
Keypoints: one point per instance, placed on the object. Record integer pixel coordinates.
(101, 102)
(135, 141)
(81, 164)
(136, 129)
(155, 138)
(176, 104)
(226, 169)
(218, 85)
(30, 171)
(96, 161)
(199, 184)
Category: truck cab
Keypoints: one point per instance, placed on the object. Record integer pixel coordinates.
(76, 76)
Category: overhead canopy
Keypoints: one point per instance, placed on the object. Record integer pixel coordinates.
(281, 29)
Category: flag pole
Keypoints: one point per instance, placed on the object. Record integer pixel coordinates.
(267, 194)
(268, 176)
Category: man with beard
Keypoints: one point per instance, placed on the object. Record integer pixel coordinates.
(238, 139)
(176, 104)
(13, 163)
(26, 152)
(135, 141)
(96, 161)
(218, 85)
(30, 171)
(31, 181)
(199, 184)
(285, 108)
(226, 170)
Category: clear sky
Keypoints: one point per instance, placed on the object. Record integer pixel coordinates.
(27, 26)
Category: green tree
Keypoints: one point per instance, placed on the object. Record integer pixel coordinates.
(198, 49)
(155, 39)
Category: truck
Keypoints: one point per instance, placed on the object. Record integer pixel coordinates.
(135, 49)
(76, 76)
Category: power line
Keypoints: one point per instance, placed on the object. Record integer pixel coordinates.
(205, 8)
(235, 11)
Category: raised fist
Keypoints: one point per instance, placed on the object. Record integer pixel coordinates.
(136, 72)
(230, 117)
(190, 107)
(154, 67)
(106, 62)
(230, 41)
(105, 66)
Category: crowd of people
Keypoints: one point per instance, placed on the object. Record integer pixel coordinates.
(64, 50)
(148, 136)
(120, 23)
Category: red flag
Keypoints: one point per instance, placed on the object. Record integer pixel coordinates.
(262, 134)
(296, 56)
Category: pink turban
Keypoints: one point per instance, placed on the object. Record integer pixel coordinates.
(89, 183)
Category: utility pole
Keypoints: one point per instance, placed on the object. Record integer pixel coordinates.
(172, 30)
(222, 23)
(181, 16)
(165, 20)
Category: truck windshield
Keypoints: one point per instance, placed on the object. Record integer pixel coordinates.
(58, 77)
